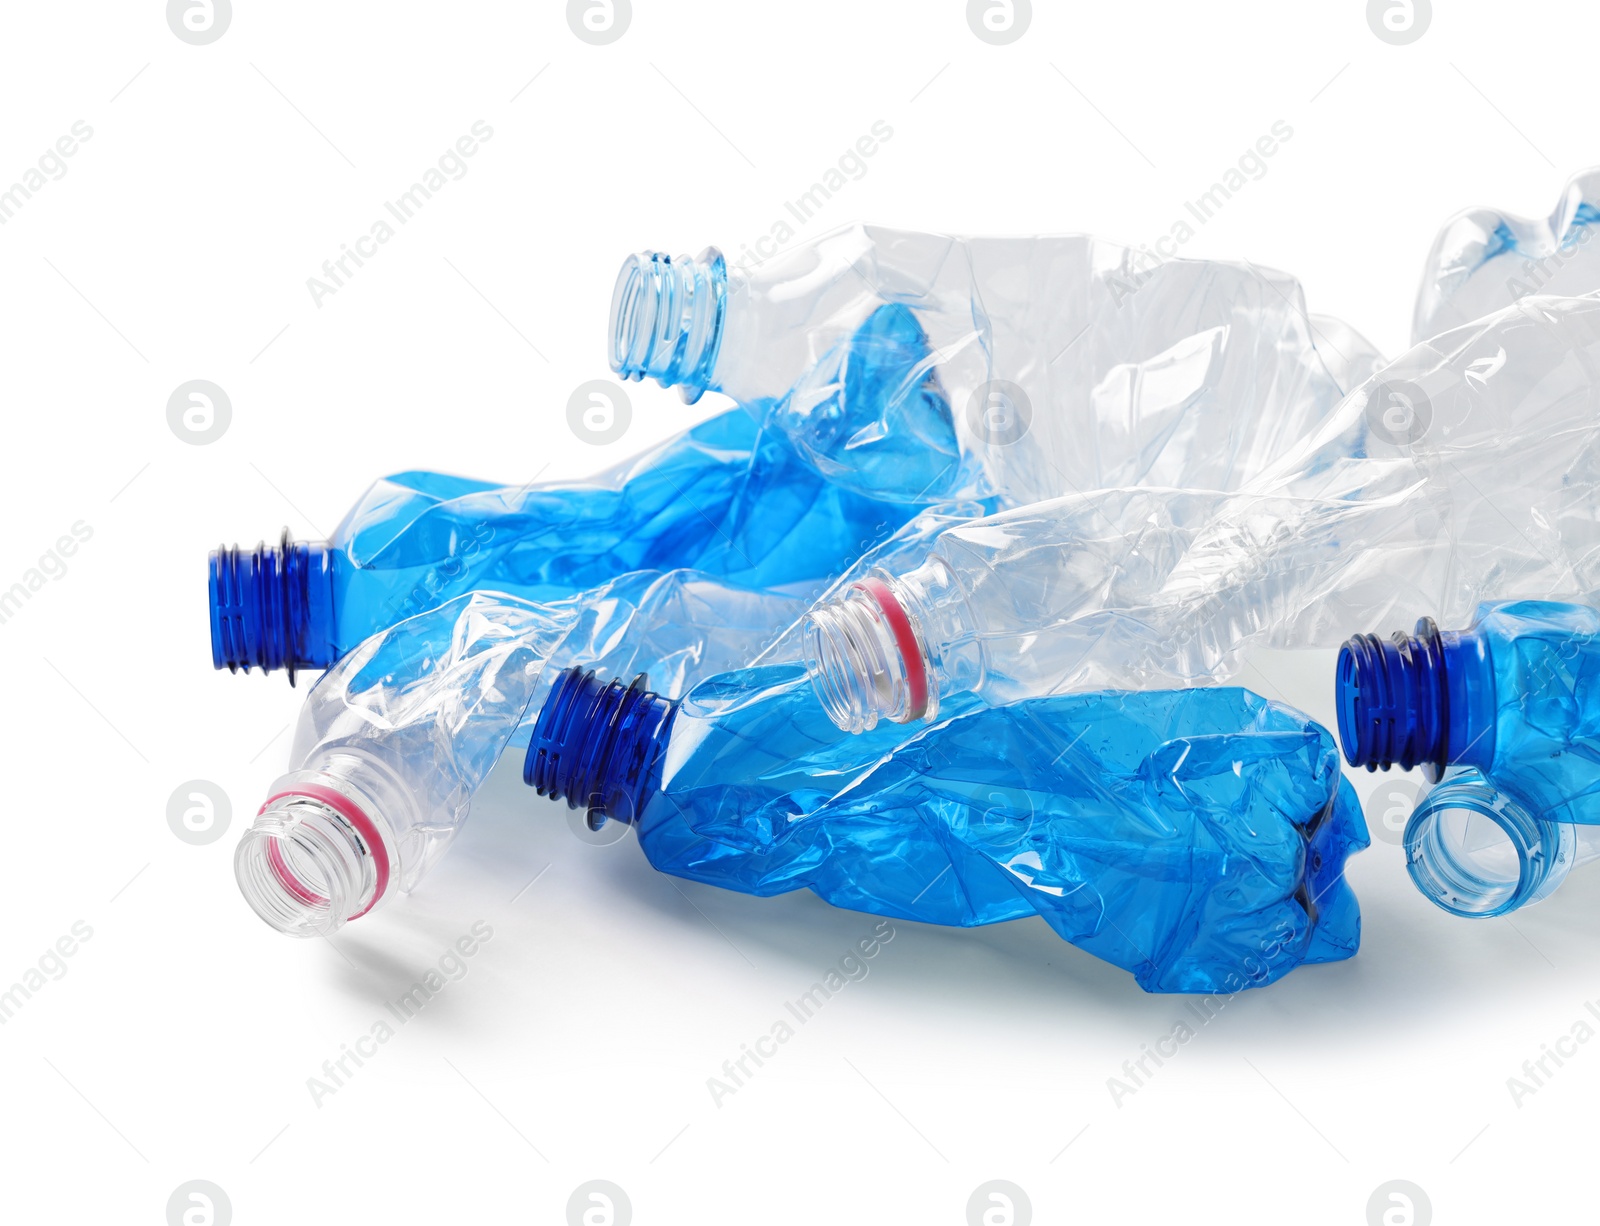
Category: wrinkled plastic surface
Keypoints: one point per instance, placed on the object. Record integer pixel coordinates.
(1072, 364)
(729, 498)
(436, 699)
(1483, 259)
(428, 706)
(1542, 692)
(784, 496)
(1194, 838)
(1486, 487)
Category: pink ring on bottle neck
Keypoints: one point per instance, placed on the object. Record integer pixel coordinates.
(905, 641)
(364, 826)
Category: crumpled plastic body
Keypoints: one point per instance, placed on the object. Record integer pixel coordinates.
(730, 498)
(1196, 838)
(1468, 470)
(1071, 363)
(1483, 259)
(409, 724)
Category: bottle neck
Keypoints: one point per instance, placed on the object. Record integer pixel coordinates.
(272, 608)
(317, 855)
(1477, 851)
(667, 319)
(598, 745)
(1426, 699)
(890, 647)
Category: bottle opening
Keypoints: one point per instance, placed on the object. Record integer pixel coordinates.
(311, 862)
(1475, 852)
(272, 608)
(667, 317)
(867, 658)
(1392, 700)
(596, 743)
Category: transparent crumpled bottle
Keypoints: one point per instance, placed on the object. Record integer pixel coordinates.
(395, 739)
(1071, 363)
(746, 496)
(1468, 470)
(1483, 259)
(1506, 715)
(1196, 838)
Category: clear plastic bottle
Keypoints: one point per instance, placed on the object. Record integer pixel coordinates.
(1489, 489)
(395, 739)
(1483, 259)
(1072, 364)
(1196, 838)
(1478, 849)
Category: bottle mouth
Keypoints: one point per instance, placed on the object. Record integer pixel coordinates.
(1476, 852)
(868, 658)
(272, 608)
(596, 743)
(667, 317)
(311, 862)
(1393, 701)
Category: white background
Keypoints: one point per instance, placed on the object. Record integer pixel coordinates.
(177, 246)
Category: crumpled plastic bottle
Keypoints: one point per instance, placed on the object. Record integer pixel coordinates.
(395, 739)
(746, 496)
(1468, 470)
(1483, 259)
(1072, 364)
(1196, 838)
(1508, 712)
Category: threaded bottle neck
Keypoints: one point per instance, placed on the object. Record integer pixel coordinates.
(1476, 851)
(667, 319)
(1416, 700)
(313, 859)
(868, 657)
(272, 608)
(597, 744)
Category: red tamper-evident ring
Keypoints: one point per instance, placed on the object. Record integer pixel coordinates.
(905, 641)
(347, 809)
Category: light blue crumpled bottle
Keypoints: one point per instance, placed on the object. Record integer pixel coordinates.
(1506, 716)
(1485, 259)
(1196, 838)
(751, 497)
(395, 739)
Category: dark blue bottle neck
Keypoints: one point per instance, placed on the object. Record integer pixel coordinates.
(1426, 700)
(272, 608)
(598, 745)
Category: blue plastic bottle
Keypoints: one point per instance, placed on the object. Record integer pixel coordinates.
(785, 496)
(1196, 838)
(1480, 849)
(1506, 716)
(1516, 695)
